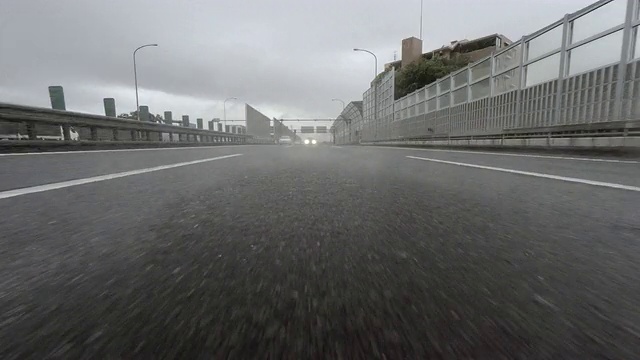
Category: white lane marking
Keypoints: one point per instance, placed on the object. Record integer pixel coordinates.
(535, 174)
(518, 155)
(118, 150)
(59, 185)
(338, 147)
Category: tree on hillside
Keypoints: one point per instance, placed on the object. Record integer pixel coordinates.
(423, 72)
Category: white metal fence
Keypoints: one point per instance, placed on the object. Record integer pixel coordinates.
(581, 69)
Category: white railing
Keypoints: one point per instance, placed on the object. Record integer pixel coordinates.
(581, 69)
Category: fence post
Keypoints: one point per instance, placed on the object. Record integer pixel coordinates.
(450, 95)
(521, 78)
(492, 89)
(563, 69)
(467, 114)
(625, 56)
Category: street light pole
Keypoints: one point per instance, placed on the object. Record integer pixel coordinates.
(421, 12)
(375, 71)
(135, 76)
(224, 107)
(340, 101)
(375, 91)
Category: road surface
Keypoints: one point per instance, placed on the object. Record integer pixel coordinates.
(326, 252)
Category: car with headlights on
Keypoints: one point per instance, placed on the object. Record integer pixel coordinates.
(310, 141)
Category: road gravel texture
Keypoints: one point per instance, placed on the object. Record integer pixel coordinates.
(321, 253)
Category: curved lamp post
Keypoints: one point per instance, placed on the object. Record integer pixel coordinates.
(375, 71)
(340, 101)
(135, 76)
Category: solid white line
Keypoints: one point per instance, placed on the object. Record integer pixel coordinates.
(64, 184)
(118, 150)
(535, 174)
(518, 155)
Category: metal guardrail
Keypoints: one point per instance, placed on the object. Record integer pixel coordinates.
(137, 131)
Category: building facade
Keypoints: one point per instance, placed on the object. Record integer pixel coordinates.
(473, 50)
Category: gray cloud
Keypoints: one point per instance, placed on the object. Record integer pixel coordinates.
(286, 57)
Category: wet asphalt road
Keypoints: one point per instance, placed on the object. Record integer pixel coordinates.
(314, 253)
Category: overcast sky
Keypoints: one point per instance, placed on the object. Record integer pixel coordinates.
(287, 58)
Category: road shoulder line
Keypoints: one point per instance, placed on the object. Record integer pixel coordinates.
(516, 155)
(534, 174)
